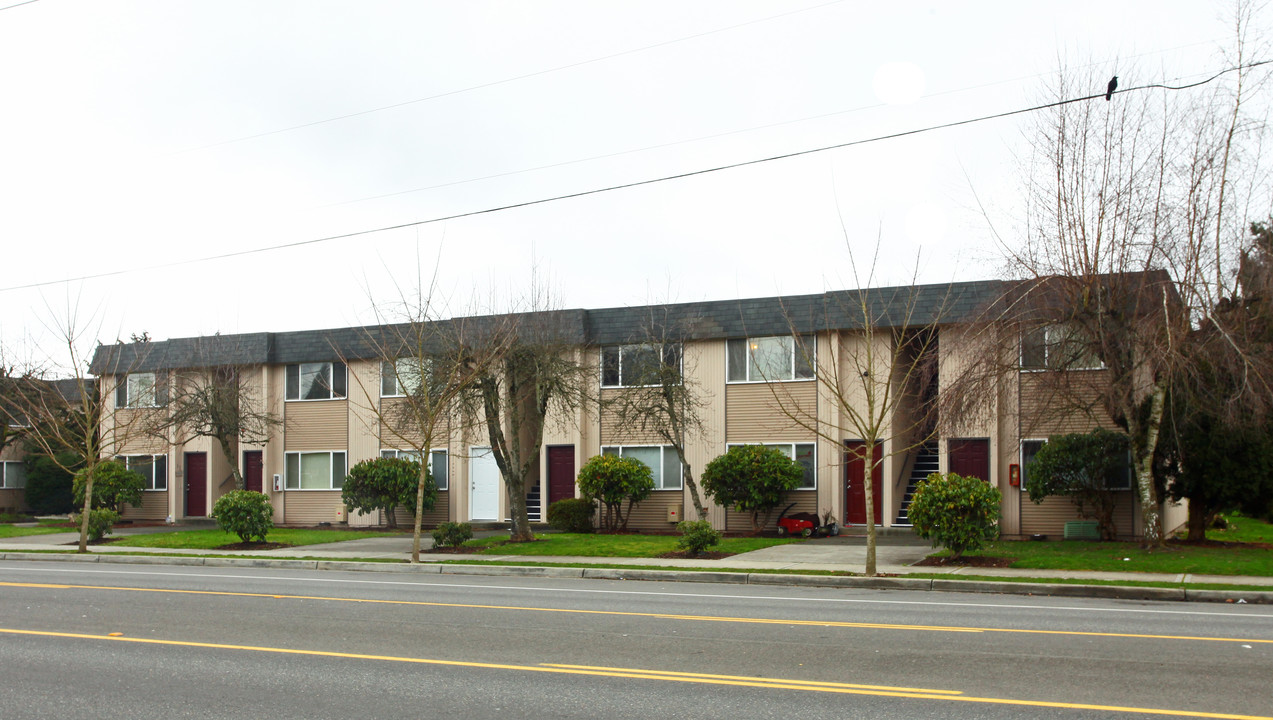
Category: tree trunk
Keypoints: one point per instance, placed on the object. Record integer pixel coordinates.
(1144, 442)
(230, 450)
(868, 492)
(1198, 517)
(88, 507)
(520, 527)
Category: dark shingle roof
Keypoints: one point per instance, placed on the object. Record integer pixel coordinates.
(912, 306)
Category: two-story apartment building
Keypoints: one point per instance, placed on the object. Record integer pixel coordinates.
(759, 367)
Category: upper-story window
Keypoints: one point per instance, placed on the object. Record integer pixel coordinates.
(1056, 347)
(402, 376)
(316, 381)
(769, 359)
(142, 389)
(639, 365)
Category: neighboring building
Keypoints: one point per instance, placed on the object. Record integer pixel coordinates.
(327, 387)
(13, 453)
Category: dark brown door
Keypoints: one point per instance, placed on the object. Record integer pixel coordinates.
(196, 484)
(855, 485)
(253, 468)
(561, 473)
(970, 458)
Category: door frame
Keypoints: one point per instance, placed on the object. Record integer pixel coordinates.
(473, 456)
(185, 471)
(877, 469)
(573, 469)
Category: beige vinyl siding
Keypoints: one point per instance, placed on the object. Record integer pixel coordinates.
(753, 413)
(131, 432)
(1048, 408)
(805, 501)
(154, 506)
(440, 513)
(13, 500)
(310, 507)
(317, 425)
(613, 431)
(1049, 517)
(363, 422)
(651, 514)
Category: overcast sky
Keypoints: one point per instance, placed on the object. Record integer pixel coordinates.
(135, 134)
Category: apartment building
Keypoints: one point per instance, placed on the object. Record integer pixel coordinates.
(759, 365)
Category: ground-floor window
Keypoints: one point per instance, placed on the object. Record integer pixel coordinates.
(804, 453)
(438, 467)
(154, 468)
(661, 459)
(13, 475)
(315, 470)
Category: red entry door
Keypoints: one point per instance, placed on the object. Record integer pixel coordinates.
(561, 473)
(253, 469)
(855, 483)
(196, 484)
(970, 458)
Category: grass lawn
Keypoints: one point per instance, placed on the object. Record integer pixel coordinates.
(8, 531)
(207, 539)
(601, 545)
(1121, 556)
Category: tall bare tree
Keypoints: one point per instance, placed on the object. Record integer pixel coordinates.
(876, 378)
(660, 393)
(1131, 206)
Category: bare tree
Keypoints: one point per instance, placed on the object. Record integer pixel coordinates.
(221, 403)
(1131, 205)
(660, 394)
(876, 379)
(534, 376)
(71, 413)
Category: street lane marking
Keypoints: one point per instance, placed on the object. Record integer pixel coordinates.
(427, 581)
(662, 675)
(657, 616)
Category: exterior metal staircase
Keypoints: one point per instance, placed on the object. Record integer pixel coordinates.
(926, 462)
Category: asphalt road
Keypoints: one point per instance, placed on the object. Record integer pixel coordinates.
(175, 642)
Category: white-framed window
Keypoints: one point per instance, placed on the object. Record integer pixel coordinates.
(661, 459)
(140, 390)
(638, 365)
(402, 376)
(438, 466)
(316, 381)
(13, 475)
(1031, 447)
(769, 359)
(154, 468)
(1056, 347)
(804, 453)
(314, 470)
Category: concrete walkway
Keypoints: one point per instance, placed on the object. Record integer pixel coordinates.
(895, 556)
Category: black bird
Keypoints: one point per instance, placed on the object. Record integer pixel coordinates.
(1109, 90)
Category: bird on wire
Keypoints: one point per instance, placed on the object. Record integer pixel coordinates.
(1109, 90)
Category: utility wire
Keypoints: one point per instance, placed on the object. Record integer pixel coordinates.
(9, 7)
(638, 183)
(504, 81)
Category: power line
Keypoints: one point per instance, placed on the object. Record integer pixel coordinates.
(700, 138)
(10, 7)
(504, 81)
(637, 183)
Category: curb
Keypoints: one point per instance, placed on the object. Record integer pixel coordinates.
(1117, 592)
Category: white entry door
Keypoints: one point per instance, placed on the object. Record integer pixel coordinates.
(483, 485)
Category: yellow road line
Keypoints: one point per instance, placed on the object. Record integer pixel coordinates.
(657, 616)
(666, 676)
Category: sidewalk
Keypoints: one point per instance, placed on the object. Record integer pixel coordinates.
(779, 564)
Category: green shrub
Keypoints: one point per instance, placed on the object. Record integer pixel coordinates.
(697, 536)
(49, 484)
(613, 480)
(245, 513)
(955, 512)
(752, 478)
(452, 534)
(385, 484)
(1084, 467)
(101, 521)
(572, 515)
(113, 486)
